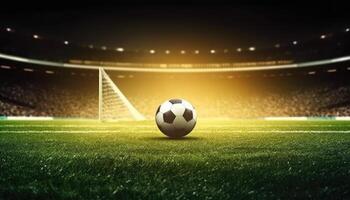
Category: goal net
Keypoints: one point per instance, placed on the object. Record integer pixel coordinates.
(113, 105)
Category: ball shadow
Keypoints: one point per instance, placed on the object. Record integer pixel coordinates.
(159, 138)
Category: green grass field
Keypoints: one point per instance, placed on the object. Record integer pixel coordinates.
(133, 160)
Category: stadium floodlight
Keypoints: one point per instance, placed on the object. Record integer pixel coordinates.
(295, 42)
(5, 67)
(183, 52)
(323, 37)
(120, 49)
(332, 70)
(49, 72)
(104, 48)
(152, 51)
(113, 104)
(347, 29)
(66, 42)
(196, 51)
(239, 49)
(167, 52)
(28, 70)
(8, 29)
(251, 48)
(35, 36)
(212, 51)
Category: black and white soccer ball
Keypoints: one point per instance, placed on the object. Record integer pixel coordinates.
(176, 118)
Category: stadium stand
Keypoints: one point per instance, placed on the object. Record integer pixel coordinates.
(237, 95)
(40, 90)
(23, 94)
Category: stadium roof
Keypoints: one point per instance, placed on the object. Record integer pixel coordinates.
(176, 70)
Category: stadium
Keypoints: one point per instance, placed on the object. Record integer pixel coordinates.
(77, 118)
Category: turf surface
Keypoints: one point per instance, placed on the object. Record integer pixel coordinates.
(133, 160)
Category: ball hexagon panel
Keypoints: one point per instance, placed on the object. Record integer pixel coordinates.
(178, 109)
(159, 118)
(166, 128)
(194, 112)
(191, 124)
(166, 106)
(179, 121)
(187, 105)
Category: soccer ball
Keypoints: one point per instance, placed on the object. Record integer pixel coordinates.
(176, 118)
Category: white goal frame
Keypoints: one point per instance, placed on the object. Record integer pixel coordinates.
(135, 114)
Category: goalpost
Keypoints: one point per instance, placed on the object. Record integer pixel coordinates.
(113, 105)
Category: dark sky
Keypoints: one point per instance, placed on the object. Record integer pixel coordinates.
(172, 26)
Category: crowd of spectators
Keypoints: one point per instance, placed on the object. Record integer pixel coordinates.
(43, 98)
(28, 99)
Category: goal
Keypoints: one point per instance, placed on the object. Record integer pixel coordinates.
(113, 105)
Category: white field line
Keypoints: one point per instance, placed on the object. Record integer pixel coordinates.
(286, 118)
(24, 118)
(151, 126)
(274, 126)
(73, 126)
(342, 118)
(301, 131)
(67, 131)
(118, 131)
